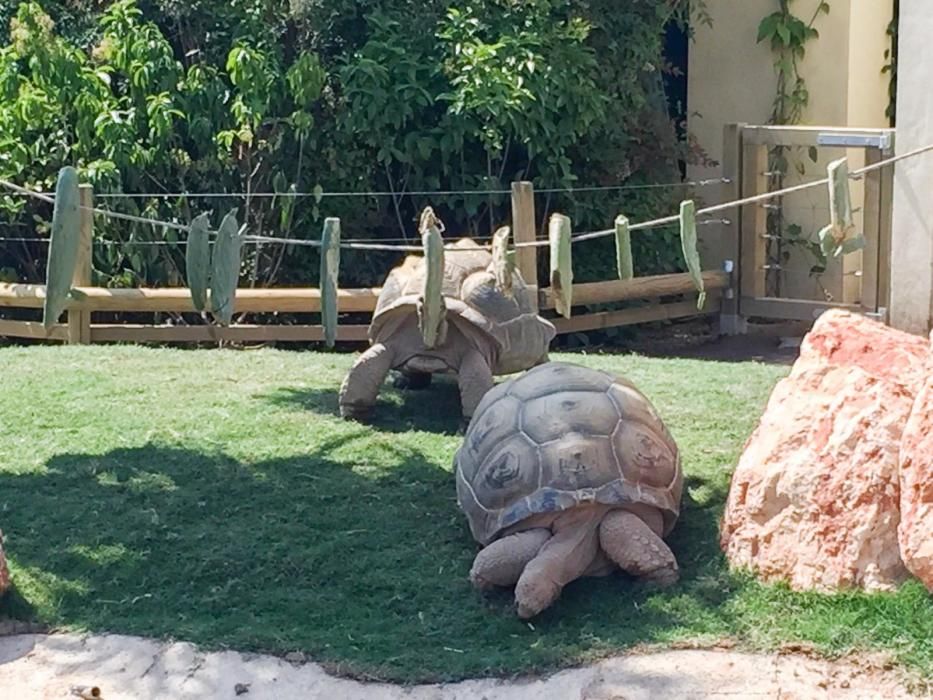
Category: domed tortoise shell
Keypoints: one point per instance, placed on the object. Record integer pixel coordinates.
(559, 436)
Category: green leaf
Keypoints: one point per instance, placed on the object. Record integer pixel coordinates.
(559, 232)
(288, 209)
(198, 261)
(688, 241)
(225, 268)
(329, 274)
(502, 267)
(431, 308)
(852, 245)
(63, 246)
(784, 33)
(624, 263)
(813, 153)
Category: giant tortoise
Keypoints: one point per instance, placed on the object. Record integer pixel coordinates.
(486, 331)
(565, 472)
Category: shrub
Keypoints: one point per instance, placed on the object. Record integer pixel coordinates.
(321, 96)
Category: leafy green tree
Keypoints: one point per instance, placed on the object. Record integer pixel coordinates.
(312, 97)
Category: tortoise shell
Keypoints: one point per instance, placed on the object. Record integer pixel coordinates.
(558, 436)
(472, 299)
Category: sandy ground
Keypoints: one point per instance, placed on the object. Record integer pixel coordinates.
(35, 667)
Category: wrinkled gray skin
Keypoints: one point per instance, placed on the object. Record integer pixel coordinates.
(471, 362)
(485, 333)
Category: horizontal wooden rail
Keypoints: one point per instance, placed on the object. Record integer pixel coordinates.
(637, 288)
(641, 314)
(308, 299)
(133, 333)
(32, 329)
(302, 300)
(791, 309)
(178, 299)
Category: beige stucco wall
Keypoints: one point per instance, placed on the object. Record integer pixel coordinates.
(732, 79)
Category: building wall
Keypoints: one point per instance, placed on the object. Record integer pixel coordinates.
(912, 235)
(732, 79)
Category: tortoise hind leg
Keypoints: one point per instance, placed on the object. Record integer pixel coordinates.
(361, 385)
(638, 548)
(502, 562)
(568, 555)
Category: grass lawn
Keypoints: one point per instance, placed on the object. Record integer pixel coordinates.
(215, 497)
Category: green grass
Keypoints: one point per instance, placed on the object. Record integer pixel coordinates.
(214, 496)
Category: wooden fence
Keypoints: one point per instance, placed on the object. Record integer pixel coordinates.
(87, 301)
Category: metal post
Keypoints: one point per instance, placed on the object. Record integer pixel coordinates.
(730, 321)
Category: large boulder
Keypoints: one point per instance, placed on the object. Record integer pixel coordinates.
(843, 339)
(4, 571)
(815, 498)
(915, 532)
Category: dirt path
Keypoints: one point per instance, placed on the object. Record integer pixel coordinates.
(36, 667)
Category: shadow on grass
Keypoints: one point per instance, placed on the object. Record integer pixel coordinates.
(435, 409)
(364, 569)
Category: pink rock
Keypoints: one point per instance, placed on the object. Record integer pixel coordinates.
(4, 571)
(815, 498)
(843, 339)
(915, 532)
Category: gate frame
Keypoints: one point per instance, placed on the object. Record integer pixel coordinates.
(744, 165)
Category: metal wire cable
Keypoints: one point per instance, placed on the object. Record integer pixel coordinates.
(674, 218)
(103, 212)
(654, 223)
(413, 193)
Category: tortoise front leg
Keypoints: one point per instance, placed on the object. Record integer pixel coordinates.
(361, 385)
(638, 548)
(502, 562)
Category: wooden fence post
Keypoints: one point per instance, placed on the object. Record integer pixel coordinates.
(79, 322)
(730, 322)
(524, 227)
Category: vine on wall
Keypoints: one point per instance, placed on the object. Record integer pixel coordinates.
(788, 35)
(890, 67)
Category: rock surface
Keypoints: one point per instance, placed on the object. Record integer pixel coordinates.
(915, 532)
(815, 499)
(4, 571)
(124, 668)
(843, 339)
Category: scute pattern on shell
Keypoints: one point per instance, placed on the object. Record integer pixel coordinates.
(559, 436)
(471, 297)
